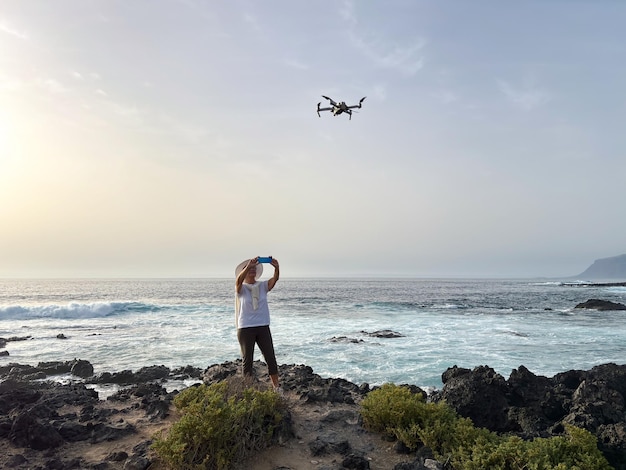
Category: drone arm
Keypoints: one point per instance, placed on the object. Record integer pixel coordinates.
(329, 99)
(357, 105)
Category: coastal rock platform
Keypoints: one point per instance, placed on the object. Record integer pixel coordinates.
(49, 425)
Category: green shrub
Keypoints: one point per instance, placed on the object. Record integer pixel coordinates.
(396, 412)
(219, 427)
(389, 408)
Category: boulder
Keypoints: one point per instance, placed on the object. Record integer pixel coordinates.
(596, 304)
(81, 368)
(128, 377)
(530, 406)
(480, 394)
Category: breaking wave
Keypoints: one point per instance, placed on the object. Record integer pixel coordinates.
(73, 310)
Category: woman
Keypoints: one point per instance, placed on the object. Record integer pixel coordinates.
(252, 316)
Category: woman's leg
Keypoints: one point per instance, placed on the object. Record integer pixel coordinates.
(247, 340)
(266, 345)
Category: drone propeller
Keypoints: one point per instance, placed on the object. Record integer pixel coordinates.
(329, 99)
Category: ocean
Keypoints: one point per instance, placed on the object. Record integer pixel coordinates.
(327, 324)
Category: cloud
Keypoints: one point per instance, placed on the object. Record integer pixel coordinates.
(118, 113)
(51, 85)
(82, 76)
(347, 12)
(253, 22)
(405, 57)
(12, 31)
(526, 97)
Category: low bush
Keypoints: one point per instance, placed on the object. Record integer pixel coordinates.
(219, 427)
(397, 412)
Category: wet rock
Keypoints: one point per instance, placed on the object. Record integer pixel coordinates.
(383, 334)
(15, 370)
(81, 368)
(345, 339)
(128, 377)
(602, 305)
(19, 338)
(78, 367)
(187, 372)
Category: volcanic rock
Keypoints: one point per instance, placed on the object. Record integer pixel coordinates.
(533, 406)
(595, 304)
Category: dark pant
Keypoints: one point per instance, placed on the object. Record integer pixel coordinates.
(262, 336)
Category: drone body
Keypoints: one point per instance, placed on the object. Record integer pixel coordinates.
(338, 108)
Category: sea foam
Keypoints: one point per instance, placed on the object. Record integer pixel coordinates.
(71, 310)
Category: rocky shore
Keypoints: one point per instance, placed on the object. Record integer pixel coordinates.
(45, 424)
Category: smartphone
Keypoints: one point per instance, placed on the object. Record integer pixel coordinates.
(265, 259)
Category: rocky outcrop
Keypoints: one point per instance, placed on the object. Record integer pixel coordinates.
(596, 304)
(42, 418)
(300, 379)
(4, 341)
(48, 416)
(535, 406)
(383, 334)
(84, 369)
(606, 268)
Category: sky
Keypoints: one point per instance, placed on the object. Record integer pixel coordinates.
(176, 138)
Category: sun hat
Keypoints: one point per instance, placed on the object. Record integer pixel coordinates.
(243, 264)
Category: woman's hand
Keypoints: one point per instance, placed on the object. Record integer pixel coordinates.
(272, 281)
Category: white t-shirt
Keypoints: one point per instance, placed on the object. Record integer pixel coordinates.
(248, 316)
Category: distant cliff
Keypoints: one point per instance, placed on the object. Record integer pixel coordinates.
(606, 268)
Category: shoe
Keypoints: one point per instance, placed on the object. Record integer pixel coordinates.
(279, 390)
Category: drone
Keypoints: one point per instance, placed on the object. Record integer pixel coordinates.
(338, 108)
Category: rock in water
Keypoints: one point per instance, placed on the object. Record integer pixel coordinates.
(595, 304)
